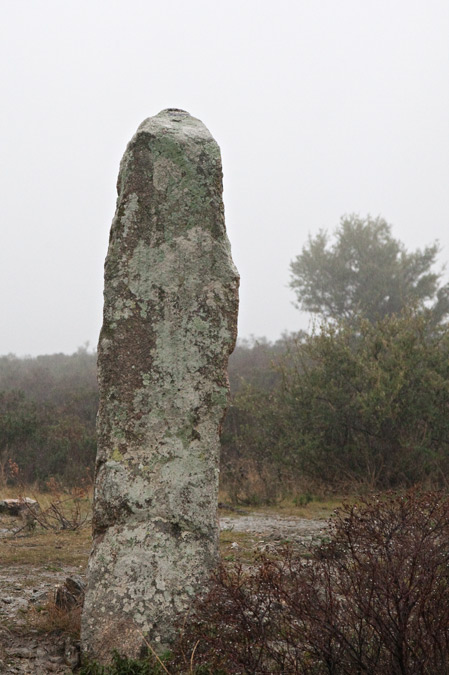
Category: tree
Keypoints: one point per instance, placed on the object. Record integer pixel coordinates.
(366, 273)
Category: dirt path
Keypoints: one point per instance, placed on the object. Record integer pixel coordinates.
(25, 587)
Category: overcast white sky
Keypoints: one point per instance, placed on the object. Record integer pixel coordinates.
(320, 107)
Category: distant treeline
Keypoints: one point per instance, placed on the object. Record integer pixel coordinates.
(48, 407)
(360, 405)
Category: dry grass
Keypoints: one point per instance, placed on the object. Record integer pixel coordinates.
(49, 549)
(315, 509)
(36, 546)
(48, 618)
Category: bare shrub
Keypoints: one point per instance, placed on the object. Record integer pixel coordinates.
(374, 599)
(66, 508)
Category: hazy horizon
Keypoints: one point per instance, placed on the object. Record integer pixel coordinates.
(320, 109)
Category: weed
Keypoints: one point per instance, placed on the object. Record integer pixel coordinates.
(50, 619)
(302, 499)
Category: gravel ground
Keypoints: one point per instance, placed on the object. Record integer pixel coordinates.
(274, 527)
(23, 588)
(23, 649)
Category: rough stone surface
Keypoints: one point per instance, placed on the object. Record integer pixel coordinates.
(170, 315)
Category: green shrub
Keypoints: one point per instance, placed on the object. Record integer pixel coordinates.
(363, 407)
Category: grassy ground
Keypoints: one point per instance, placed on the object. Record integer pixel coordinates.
(305, 506)
(50, 549)
(58, 547)
(60, 536)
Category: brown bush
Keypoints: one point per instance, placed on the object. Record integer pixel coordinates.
(374, 599)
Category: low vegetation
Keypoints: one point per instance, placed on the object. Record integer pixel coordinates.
(374, 598)
(350, 411)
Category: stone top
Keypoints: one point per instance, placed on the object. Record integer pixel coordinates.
(170, 119)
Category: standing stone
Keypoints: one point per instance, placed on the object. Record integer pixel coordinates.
(170, 318)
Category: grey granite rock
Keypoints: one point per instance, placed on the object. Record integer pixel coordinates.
(170, 321)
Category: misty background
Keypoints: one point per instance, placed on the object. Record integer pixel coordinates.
(320, 108)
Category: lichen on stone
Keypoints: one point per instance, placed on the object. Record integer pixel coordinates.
(169, 325)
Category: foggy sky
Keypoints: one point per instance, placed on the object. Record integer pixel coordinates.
(320, 108)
